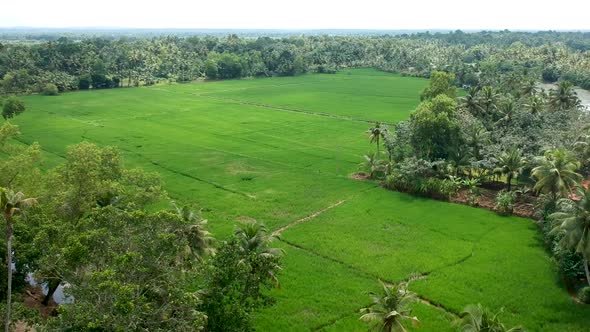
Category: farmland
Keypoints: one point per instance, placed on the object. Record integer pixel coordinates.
(280, 149)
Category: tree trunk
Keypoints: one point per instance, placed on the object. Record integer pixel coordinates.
(51, 288)
(509, 181)
(377, 147)
(9, 267)
(586, 268)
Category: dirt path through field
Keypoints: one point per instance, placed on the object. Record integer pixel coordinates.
(311, 216)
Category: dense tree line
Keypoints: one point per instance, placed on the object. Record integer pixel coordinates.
(483, 58)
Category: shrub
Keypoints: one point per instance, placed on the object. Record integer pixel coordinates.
(326, 69)
(50, 89)
(116, 81)
(545, 205)
(584, 294)
(12, 107)
(84, 82)
(505, 202)
(437, 188)
(550, 74)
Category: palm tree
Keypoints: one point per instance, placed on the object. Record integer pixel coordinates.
(573, 222)
(373, 165)
(529, 88)
(201, 243)
(535, 104)
(582, 147)
(507, 110)
(476, 318)
(564, 97)
(11, 203)
(459, 160)
(391, 309)
(376, 133)
(489, 100)
(510, 163)
(471, 101)
(557, 172)
(477, 137)
(253, 239)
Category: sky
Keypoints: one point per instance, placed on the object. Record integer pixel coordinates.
(300, 14)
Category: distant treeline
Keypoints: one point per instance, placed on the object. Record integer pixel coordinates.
(483, 58)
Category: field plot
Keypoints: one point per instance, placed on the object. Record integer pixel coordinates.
(281, 149)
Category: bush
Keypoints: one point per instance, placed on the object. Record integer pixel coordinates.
(100, 81)
(84, 82)
(12, 107)
(326, 69)
(584, 294)
(423, 186)
(550, 74)
(437, 188)
(50, 89)
(505, 202)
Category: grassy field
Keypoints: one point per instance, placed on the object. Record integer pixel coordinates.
(280, 149)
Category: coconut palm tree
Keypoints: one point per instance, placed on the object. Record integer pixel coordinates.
(582, 147)
(11, 203)
(375, 167)
(377, 133)
(510, 163)
(477, 137)
(556, 173)
(529, 88)
(201, 243)
(476, 318)
(389, 310)
(471, 101)
(573, 222)
(535, 104)
(506, 111)
(564, 97)
(253, 239)
(489, 100)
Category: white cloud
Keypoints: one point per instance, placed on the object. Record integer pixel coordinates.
(300, 14)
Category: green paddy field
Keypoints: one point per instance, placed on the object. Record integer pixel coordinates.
(281, 149)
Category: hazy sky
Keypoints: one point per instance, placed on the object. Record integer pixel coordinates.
(300, 14)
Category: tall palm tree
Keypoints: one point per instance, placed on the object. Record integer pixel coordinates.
(573, 222)
(476, 318)
(471, 101)
(391, 309)
(506, 111)
(11, 203)
(201, 243)
(564, 97)
(557, 172)
(253, 239)
(377, 133)
(489, 100)
(510, 163)
(477, 137)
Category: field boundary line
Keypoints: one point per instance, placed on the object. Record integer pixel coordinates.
(289, 109)
(304, 219)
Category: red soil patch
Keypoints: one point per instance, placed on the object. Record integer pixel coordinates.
(523, 207)
(32, 298)
(361, 176)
